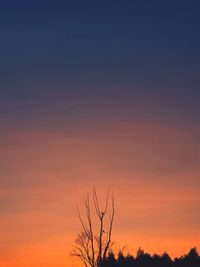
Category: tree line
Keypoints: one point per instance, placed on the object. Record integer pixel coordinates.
(143, 259)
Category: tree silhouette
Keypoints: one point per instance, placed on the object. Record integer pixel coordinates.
(93, 244)
(143, 259)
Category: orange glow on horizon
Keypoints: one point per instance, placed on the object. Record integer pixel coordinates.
(50, 173)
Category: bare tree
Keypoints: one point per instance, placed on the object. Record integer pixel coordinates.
(94, 242)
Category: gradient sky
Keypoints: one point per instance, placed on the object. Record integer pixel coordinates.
(101, 94)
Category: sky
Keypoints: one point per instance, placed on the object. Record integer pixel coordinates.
(102, 94)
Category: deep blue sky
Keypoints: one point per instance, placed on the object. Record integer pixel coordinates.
(118, 51)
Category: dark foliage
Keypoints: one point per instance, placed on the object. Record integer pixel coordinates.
(142, 259)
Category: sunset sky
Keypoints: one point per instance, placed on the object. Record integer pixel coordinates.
(104, 94)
